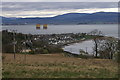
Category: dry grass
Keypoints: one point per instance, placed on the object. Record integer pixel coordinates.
(56, 65)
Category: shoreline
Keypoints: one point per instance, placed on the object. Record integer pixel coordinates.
(80, 42)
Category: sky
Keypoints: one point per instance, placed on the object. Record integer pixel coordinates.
(60, 0)
(50, 9)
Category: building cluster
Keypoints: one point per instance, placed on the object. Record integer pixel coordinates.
(59, 39)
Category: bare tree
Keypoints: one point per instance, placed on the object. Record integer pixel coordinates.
(108, 48)
(96, 43)
(105, 47)
(96, 33)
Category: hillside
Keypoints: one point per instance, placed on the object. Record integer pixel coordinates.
(69, 18)
(57, 66)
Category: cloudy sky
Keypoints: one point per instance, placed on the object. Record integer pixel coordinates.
(50, 9)
(60, 0)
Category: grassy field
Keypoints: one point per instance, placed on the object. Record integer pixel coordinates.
(57, 66)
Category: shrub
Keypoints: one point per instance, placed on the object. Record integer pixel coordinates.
(45, 51)
(31, 52)
(116, 56)
(3, 57)
(83, 56)
(54, 49)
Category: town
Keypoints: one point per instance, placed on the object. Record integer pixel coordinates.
(33, 42)
(60, 39)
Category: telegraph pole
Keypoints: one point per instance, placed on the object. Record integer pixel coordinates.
(86, 50)
(14, 42)
(25, 48)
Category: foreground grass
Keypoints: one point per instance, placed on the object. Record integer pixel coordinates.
(57, 66)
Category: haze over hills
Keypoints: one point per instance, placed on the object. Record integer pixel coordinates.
(69, 18)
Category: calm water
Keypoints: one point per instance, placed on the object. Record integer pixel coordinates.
(75, 48)
(107, 29)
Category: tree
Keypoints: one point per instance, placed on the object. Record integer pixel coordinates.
(105, 47)
(108, 47)
(97, 39)
(96, 32)
(96, 43)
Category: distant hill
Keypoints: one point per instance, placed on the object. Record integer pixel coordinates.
(70, 18)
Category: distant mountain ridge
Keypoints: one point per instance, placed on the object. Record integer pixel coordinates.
(69, 18)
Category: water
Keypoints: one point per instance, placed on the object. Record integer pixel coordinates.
(107, 29)
(85, 46)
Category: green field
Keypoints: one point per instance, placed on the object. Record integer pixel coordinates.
(57, 66)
